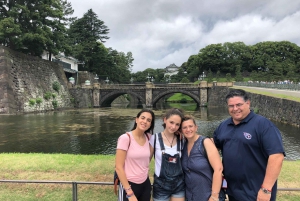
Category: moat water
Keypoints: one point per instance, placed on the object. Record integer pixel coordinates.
(95, 131)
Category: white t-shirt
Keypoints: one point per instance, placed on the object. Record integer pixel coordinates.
(172, 151)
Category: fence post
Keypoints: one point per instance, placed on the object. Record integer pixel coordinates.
(74, 190)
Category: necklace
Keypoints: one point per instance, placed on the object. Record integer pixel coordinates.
(171, 143)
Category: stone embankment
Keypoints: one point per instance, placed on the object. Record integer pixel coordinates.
(26, 84)
(276, 109)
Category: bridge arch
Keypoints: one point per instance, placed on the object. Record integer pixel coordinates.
(108, 98)
(162, 94)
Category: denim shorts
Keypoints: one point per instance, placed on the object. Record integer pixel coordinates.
(164, 189)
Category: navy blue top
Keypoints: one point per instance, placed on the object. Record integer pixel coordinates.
(245, 149)
(197, 172)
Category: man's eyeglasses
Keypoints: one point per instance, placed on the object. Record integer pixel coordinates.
(239, 105)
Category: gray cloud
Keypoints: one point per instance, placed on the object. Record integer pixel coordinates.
(161, 32)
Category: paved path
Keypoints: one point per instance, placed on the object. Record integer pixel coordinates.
(273, 91)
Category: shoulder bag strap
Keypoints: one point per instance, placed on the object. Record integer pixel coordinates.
(129, 140)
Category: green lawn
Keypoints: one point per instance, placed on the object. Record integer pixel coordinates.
(93, 168)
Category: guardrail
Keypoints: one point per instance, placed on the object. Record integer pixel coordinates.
(295, 87)
(75, 183)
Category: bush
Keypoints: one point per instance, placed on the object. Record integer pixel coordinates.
(53, 96)
(56, 86)
(55, 104)
(31, 102)
(39, 101)
(47, 95)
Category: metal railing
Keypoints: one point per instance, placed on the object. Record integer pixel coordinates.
(295, 87)
(75, 183)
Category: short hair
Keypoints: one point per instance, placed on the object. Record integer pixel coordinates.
(237, 92)
(189, 117)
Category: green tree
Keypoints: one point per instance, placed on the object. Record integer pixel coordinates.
(33, 27)
(212, 57)
(236, 53)
(228, 77)
(84, 36)
(210, 76)
(238, 74)
(193, 67)
(185, 80)
(254, 76)
(218, 75)
(274, 59)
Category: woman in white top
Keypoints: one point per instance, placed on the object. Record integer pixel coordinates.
(166, 146)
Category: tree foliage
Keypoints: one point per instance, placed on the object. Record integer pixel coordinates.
(84, 36)
(266, 61)
(32, 27)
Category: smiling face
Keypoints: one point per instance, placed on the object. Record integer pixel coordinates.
(238, 108)
(172, 123)
(143, 122)
(189, 129)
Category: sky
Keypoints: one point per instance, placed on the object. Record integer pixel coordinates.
(163, 32)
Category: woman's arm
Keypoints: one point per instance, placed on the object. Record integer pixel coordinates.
(120, 162)
(216, 164)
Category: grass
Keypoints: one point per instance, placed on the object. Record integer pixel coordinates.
(93, 168)
(177, 97)
(277, 95)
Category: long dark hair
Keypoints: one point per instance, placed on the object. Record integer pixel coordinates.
(150, 130)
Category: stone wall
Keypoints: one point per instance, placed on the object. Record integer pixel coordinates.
(24, 79)
(276, 109)
(83, 97)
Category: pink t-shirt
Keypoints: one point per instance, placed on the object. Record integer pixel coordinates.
(137, 158)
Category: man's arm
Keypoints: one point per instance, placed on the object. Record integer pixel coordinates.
(272, 172)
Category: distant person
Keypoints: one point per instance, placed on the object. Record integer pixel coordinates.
(166, 146)
(202, 169)
(133, 158)
(252, 151)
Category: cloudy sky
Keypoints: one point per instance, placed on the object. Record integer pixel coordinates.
(162, 32)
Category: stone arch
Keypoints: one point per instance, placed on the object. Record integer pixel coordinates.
(162, 94)
(108, 98)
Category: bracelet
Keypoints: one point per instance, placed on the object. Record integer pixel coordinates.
(266, 189)
(128, 189)
(128, 196)
(214, 193)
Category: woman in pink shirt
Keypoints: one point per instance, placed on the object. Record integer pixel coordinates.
(133, 158)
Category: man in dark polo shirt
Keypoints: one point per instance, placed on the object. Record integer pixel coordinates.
(252, 151)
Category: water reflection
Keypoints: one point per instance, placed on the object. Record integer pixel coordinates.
(95, 131)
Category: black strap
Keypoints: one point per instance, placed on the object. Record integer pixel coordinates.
(178, 144)
(154, 145)
(161, 143)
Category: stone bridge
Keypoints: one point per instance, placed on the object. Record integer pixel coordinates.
(150, 93)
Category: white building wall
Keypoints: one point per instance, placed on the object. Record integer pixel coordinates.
(62, 57)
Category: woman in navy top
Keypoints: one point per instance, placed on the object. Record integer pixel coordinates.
(203, 174)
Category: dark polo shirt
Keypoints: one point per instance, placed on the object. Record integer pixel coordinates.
(245, 149)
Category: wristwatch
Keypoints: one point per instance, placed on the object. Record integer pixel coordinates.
(266, 191)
